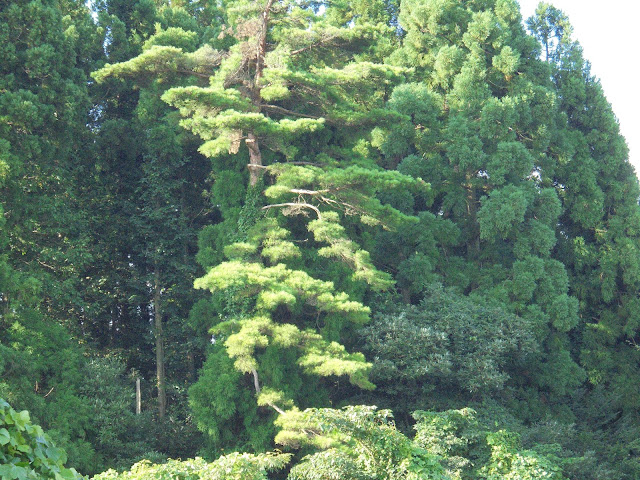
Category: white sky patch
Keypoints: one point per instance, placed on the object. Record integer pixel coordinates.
(610, 38)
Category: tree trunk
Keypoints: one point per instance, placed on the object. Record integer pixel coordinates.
(157, 313)
(5, 301)
(138, 397)
(255, 156)
(255, 160)
(473, 242)
(262, 44)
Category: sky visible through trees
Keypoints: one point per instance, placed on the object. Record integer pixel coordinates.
(608, 33)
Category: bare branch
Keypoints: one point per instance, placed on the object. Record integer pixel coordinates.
(308, 192)
(298, 205)
(256, 384)
(285, 111)
(313, 164)
(46, 265)
(313, 45)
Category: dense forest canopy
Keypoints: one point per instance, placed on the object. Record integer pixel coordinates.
(383, 239)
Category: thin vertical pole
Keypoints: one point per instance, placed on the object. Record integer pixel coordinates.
(138, 397)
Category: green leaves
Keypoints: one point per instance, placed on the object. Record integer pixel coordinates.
(356, 443)
(362, 443)
(450, 340)
(507, 61)
(26, 452)
(529, 214)
(4, 436)
(20, 419)
(235, 466)
(510, 464)
(273, 287)
(328, 230)
(503, 212)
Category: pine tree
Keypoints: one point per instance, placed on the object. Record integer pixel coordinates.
(284, 98)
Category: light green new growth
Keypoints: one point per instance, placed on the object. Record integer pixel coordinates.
(235, 466)
(356, 442)
(277, 286)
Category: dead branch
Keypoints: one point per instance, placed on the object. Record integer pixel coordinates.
(256, 384)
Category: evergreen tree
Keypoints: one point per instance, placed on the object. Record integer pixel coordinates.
(283, 97)
(48, 49)
(530, 177)
(479, 134)
(298, 138)
(599, 243)
(157, 200)
(44, 104)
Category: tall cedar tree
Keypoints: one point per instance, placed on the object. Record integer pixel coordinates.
(48, 49)
(479, 121)
(599, 241)
(534, 202)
